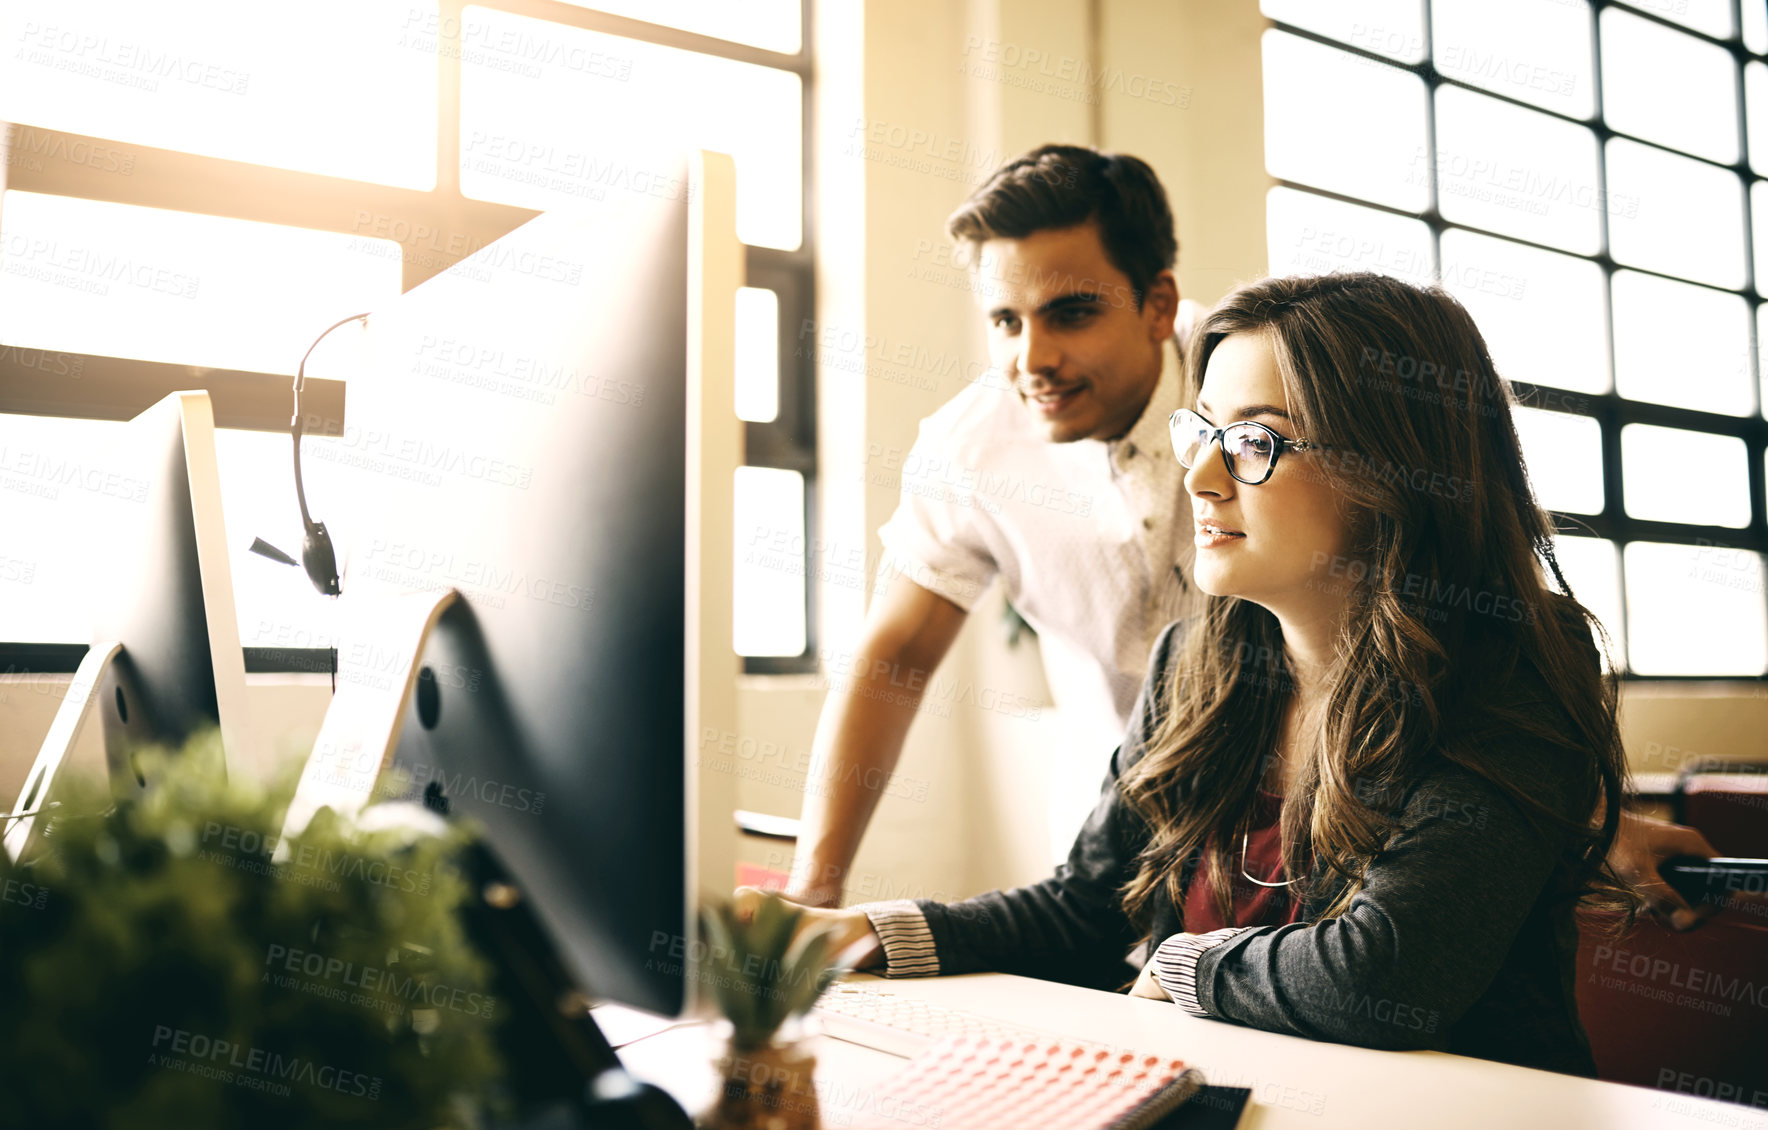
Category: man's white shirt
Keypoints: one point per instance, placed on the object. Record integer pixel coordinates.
(1091, 539)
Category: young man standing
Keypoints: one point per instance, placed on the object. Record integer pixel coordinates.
(1060, 480)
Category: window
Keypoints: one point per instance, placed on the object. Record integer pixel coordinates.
(1587, 178)
(192, 195)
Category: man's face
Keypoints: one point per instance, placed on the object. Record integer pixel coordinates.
(1063, 327)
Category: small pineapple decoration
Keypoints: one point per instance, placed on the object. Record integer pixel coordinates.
(766, 973)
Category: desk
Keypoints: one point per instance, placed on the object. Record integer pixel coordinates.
(1295, 1082)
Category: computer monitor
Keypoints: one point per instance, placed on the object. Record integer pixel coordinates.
(165, 660)
(549, 429)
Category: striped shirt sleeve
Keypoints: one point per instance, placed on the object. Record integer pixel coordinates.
(1175, 964)
(908, 941)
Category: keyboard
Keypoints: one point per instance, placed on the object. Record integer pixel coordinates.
(884, 1021)
(963, 1083)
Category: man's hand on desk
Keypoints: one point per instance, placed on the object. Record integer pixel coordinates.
(852, 931)
(814, 884)
(1642, 843)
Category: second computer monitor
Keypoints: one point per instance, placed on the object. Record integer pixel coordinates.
(165, 662)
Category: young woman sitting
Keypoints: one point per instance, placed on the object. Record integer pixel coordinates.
(1355, 800)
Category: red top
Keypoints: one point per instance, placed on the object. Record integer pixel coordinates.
(1253, 905)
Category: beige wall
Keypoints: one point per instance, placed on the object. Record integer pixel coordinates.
(1209, 148)
(917, 101)
(1668, 727)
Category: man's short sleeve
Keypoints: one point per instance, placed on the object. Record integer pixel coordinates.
(937, 537)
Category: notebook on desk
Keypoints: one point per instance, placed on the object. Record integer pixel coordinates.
(983, 1083)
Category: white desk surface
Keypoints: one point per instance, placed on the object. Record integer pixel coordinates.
(1295, 1082)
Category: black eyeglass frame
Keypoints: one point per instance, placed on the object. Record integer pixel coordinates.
(1279, 443)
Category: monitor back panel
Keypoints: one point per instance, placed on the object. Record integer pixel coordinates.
(518, 432)
(166, 594)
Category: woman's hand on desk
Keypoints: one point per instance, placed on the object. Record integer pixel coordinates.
(1147, 985)
(851, 930)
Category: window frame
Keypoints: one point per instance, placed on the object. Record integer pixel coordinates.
(118, 388)
(1612, 411)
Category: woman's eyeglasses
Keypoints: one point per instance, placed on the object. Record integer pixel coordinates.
(1249, 450)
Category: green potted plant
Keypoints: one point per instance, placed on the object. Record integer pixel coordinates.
(765, 972)
(162, 965)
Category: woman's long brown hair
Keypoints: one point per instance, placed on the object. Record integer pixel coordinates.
(1448, 603)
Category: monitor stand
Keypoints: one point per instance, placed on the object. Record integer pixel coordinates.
(559, 1059)
(100, 668)
(378, 665)
(105, 684)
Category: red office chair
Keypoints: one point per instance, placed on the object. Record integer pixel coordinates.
(1688, 1012)
(1681, 1012)
(1730, 809)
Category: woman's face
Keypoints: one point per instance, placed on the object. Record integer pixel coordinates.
(1292, 526)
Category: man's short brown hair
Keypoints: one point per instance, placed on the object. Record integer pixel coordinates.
(1059, 186)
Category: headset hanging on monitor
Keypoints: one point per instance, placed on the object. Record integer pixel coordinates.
(317, 556)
